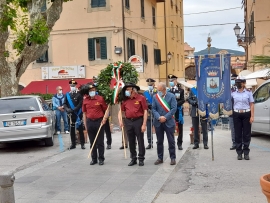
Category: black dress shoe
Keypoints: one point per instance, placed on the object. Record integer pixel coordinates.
(180, 147)
(108, 147)
(246, 157)
(239, 157)
(133, 162)
(233, 148)
(72, 147)
(206, 147)
(82, 146)
(173, 162)
(101, 162)
(122, 147)
(159, 161)
(141, 163)
(93, 162)
(149, 146)
(195, 147)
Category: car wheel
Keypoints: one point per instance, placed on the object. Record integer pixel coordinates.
(49, 141)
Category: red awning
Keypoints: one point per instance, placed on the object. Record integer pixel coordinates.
(49, 86)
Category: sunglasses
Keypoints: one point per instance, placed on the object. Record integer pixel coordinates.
(60, 89)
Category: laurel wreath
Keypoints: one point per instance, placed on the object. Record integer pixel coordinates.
(128, 74)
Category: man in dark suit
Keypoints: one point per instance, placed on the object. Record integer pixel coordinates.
(164, 107)
(176, 89)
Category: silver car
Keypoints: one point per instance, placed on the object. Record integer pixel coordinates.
(26, 118)
(261, 96)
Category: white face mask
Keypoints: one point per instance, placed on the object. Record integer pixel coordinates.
(73, 89)
(60, 91)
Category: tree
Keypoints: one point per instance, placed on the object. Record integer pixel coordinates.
(260, 60)
(27, 26)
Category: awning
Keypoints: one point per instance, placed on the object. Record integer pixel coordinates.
(263, 73)
(49, 86)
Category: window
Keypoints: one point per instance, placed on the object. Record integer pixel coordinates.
(142, 9)
(44, 58)
(98, 3)
(43, 7)
(180, 9)
(97, 48)
(172, 30)
(144, 53)
(127, 5)
(154, 16)
(251, 26)
(262, 94)
(130, 47)
(181, 36)
(178, 62)
(176, 8)
(172, 3)
(157, 57)
(177, 33)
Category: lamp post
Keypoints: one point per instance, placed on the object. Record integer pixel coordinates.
(209, 40)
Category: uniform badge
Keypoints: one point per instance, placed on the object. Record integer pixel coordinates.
(97, 103)
(136, 102)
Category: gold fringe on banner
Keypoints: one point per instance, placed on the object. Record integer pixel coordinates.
(214, 116)
(227, 112)
(202, 113)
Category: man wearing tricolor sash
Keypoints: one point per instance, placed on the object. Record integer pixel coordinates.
(164, 107)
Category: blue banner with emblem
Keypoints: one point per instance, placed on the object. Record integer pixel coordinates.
(213, 73)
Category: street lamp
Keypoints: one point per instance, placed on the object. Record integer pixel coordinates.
(237, 29)
(242, 39)
(169, 57)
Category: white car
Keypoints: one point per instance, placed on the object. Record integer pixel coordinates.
(261, 96)
(26, 118)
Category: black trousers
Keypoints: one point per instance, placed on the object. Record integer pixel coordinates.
(108, 132)
(242, 129)
(195, 124)
(73, 130)
(92, 129)
(149, 130)
(180, 135)
(133, 129)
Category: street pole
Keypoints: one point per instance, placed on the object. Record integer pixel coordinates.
(124, 31)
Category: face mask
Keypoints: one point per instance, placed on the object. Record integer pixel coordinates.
(92, 93)
(160, 93)
(150, 88)
(127, 93)
(72, 89)
(60, 91)
(95, 84)
(171, 84)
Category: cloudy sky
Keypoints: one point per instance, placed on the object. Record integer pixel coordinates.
(222, 35)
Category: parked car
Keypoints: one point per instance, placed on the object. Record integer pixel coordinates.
(261, 96)
(26, 118)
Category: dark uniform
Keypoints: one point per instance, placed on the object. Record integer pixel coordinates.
(243, 111)
(152, 90)
(94, 108)
(179, 94)
(192, 99)
(134, 106)
(75, 113)
(107, 124)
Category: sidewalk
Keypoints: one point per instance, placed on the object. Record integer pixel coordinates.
(68, 177)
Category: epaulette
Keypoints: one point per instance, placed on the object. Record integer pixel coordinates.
(154, 90)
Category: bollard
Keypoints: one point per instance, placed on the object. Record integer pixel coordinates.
(6, 187)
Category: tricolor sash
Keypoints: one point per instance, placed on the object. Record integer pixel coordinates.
(163, 103)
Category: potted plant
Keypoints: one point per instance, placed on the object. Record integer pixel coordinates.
(265, 184)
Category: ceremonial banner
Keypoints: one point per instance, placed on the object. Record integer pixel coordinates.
(213, 83)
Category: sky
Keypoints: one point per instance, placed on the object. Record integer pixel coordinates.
(222, 35)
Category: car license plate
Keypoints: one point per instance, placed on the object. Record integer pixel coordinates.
(14, 123)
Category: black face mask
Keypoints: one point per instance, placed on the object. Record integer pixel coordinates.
(238, 85)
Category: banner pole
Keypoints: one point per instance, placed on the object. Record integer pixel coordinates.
(212, 142)
(123, 135)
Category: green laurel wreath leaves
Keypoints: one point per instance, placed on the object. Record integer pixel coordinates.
(128, 74)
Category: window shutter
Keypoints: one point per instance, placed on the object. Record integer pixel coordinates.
(102, 3)
(91, 49)
(154, 16)
(127, 4)
(144, 53)
(43, 7)
(128, 48)
(44, 58)
(142, 9)
(157, 56)
(133, 47)
(94, 3)
(103, 47)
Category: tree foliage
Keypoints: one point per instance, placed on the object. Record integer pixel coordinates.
(260, 60)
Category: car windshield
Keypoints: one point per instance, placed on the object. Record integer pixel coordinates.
(13, 105)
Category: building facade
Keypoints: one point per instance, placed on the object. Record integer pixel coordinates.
(171, 39)
(256, 40)
(93, 33)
